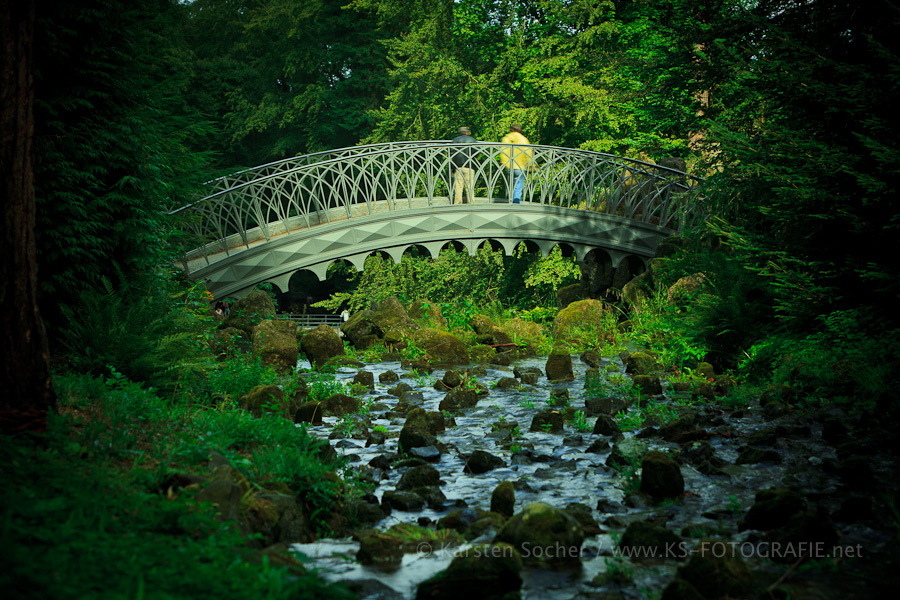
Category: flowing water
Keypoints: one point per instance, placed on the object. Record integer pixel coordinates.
(554, 468)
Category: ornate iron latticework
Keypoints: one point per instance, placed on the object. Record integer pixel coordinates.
(265, 223)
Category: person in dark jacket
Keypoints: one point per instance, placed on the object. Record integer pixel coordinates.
(463, 162)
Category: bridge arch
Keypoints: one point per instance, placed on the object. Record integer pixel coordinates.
(264, 224)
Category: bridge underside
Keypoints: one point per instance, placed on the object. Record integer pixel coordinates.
(239, 270)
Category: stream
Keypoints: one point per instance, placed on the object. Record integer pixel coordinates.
(558, 469)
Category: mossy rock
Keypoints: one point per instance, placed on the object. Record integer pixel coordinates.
(661, 476)
(773, 508)
(441, 346)
(427, 313)
(265, 398)
(640, 363)
(582, 323)
(247, 312)
(525, 332)
(638, 291)
(275, 342)
(503, 499)
(361, 330)
(716, 570)
(484, 572)
(321, 344)
(559, 365)
(390, 314)
(544, 535)
(645, 540)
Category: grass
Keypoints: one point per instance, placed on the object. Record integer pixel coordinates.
(90, 508)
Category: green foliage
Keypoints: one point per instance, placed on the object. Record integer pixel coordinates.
(323, 384)
(580, 423)
(147, 332)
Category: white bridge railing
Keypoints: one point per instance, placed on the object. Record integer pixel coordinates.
(297, 193)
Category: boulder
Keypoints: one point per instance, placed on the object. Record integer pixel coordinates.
(428, 313)
(503, 499)
(275, 342)
(459, 398)
(361, 330)
(566, 295)
(309, 412)
(717, 570)
(484, 572)
(340, 404)
(321, 344)
(582, 322)
(661, 476)
(640, 363)
(417, 477)
(247, 312)
(648, 384)
(390, 315)
(547, 421)
(559, 365)
(773, 508)
(265, 398)
(525, 332)
(441, 346)
(685, 289)
(482, 462)
(645, 540)
(545, 536)
(638, 291)
(365, 378)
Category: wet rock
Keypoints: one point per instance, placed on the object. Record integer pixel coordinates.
(528, 375)
(763, 437)
(592, 358)
(683, 430)
(548, 421)
(717, 570)
(610, 405)
(461, 519)
(275, 342)
(340, 404)
(482, 462)
(485, 528)
(321, 344)
(544, 535)
(365, 378)
(643, 540)
(617, 459)
(419, 429)
(648, 384)
(804, 532)
(368, 511)
(559, 365)
(379, 550)
(503, 499)
(598, 447)
(661, 476)
(640, 363)
(485, 572)
(772, 509)
(371, 589)
(607, 426)
(508, 383)
(421, 476)
(573, 440)
(403, 500)
(310, 412)
(582, 514)
(458, 399)
(388, 377)
(400, 389)
(376, 438)
(752, 456)
(427, 453)
(432, 495)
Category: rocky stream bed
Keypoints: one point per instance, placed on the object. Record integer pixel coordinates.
(724, 501)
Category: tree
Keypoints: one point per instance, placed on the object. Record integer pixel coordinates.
(25, 380)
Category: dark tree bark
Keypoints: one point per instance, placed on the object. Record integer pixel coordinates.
(26, 392)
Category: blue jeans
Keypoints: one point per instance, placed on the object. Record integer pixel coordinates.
(518, 176)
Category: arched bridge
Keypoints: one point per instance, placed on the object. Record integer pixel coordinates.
(266, 223)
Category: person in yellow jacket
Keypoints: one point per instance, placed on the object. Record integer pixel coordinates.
(517, 160)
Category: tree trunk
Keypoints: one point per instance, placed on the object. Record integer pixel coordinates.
(26, 392)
